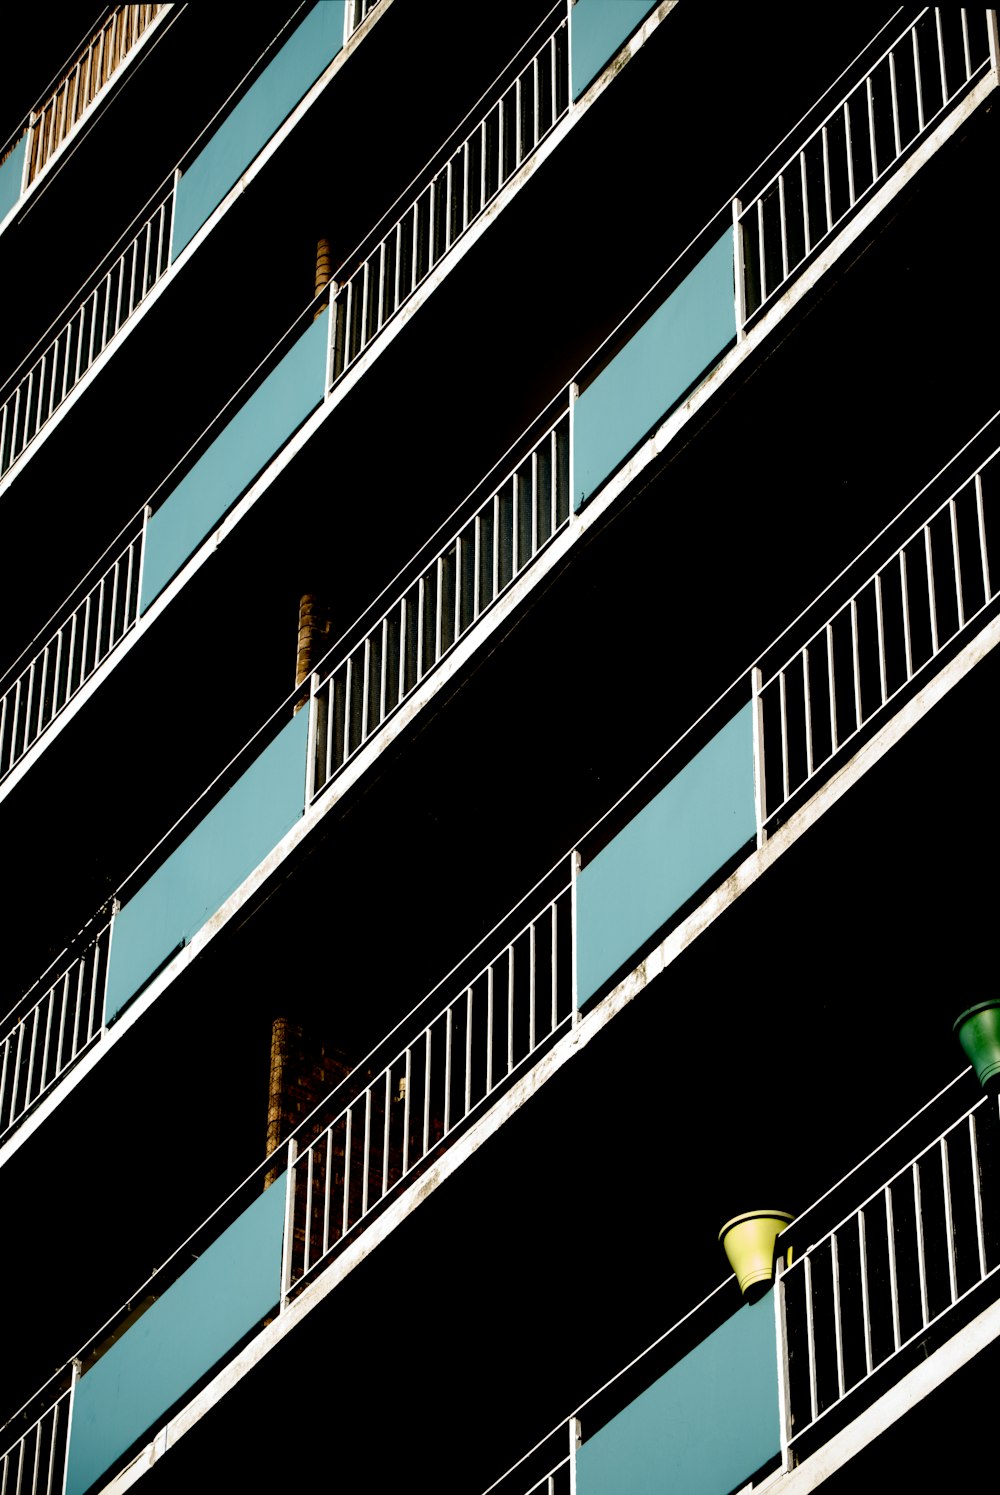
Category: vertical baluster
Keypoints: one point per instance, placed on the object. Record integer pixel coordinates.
(883, 683)
(308, 1214)
(870, 101)
(807, 710)
(956, 560)
(366, 672)
(893, 1283)
(489, 1029)
(346, 1216)
(784, 224)
(921, 1260)
(803, 181)
(865, 1301)
(810, 1341)
(407, 1083)
(761, 258)
(838, 1332)
(447, 1056)
(849, 148)
(554, 982)
(386, 1121)
(966, 51)
(949, 1222)
(931, 591)
(827, 194)
(856, 663)
(428, 1053)
(327, 1188)
(783, 705)
(977, 1194)
(366, 1152)
(468, 1053)
(942, 69)
(917, 78)
(894, 96)
(510, 1008)
(981, 525)
(32, 1047)
(905, 602)
(531, 987)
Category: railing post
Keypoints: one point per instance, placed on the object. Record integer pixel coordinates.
(288, 1238)
(739, 274)
(115, 911)
(26, 163)
(781, 1346)
(759, 782)
(574, 395)
(575, 1439)
(333, 288)
(574, 869)
(994, 39)
(74, 1377)
(313, 709)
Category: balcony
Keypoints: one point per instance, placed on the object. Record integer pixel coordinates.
(866, 1321)
(64, 109)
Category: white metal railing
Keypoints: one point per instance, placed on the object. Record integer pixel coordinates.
(880, 638)
(469, 573)
(121, 284)
(35, 1463)
(52, 120)
(450, 1066)
(401, 1113)
(892, 1269)
(358, 11)
(510, 128)
(89, 628)
(47, 1037)
(898, 102)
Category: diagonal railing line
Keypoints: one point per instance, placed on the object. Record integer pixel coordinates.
(896, 104)
(80, 81)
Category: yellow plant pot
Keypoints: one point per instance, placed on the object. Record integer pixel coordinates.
(748, 1241)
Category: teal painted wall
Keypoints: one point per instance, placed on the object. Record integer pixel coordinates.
(598, 28)
(243, 133)
(10, 177)
(196, 1322)
(239, 452)
(682, 340)
(665, 854)
(196, 879)
(701, 1429)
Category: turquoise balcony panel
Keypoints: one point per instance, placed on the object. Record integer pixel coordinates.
(703, 1428)
(11, 173)
(669, 850)
(598, 29)
(196, 879)
(198, 1320)
(682, 340)
(267, 103)
(242, 448)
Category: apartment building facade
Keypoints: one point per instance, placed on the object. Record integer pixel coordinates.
(500, 610)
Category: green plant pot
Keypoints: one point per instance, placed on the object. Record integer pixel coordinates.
(978, 1031)
(748, 1241)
